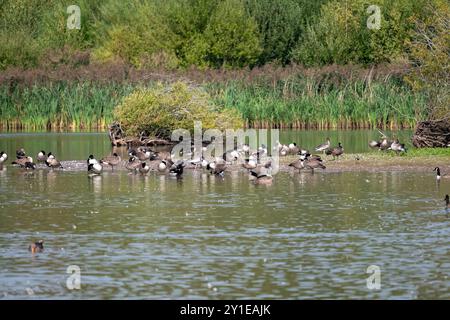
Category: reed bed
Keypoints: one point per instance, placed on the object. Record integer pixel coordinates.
(297, 102)
(315, 105)
(60, 106)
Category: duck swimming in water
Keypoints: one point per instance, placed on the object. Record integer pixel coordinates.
(438, 174)
(36, 246)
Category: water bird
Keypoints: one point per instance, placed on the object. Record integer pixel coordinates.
(111, 161)
(447, 201)
(164, 165)
(336, 151)
(36, 246)
(397, 146)
(133, 164)
(26, 163)
(95, 168)
(142, 154)
(217, 167)
(144, 169)
(91, 160)
(249, 163)
(20, 153)
(323, 146)
(52, 162)
(176, 170)
(3, 156)
(262, 177)
(41, 156)
(438, 174)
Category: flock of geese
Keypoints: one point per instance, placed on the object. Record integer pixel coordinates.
(142, 160)
(258, 162)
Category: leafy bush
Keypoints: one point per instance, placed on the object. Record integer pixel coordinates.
(162, 109)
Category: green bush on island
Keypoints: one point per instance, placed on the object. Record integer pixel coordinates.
(161, 109)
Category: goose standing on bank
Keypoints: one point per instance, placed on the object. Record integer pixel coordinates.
(111, 161)
(336, 151)
(397, 146)
(323, 146)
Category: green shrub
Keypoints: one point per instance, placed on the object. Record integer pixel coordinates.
(162, 109)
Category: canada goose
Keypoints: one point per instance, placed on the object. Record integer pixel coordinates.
(249, 164)
(438, 174)
(164, 165)
(41, 156)
(20, 154)
(95, 168)
(397, 146)
(245, 148)
(217, 167)
(133, 164)
(144, 169)
(262, 177)
(323, 146)
(141, 153)
(112, 161)
(313, 164)
(36, 246)
(91, 160)
(176, 170)
(3, 156)
(447, 201)
(374, 144)
(26, 163)
(336, 151)
(385, 144)
(262, 150)
(231, 156)
(52, 162)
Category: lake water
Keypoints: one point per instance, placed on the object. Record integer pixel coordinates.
(306, 236)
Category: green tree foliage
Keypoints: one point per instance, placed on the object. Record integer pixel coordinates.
(429, 52)
(232, 36)
(280, 24)
(135, 34)
(340, 35)
(161, 109)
